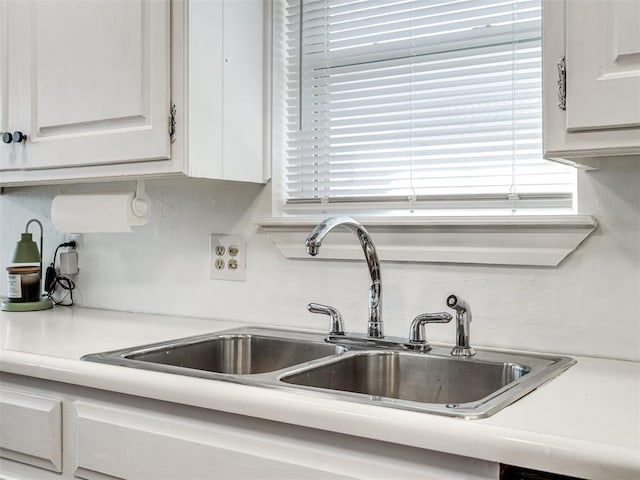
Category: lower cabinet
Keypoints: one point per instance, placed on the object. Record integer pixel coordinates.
(111, 436)
(120, 442)
(31, 429)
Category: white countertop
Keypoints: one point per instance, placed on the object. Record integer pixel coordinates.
(585, 423)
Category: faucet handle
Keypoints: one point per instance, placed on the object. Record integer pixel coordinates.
(334, 316)
(417, 337)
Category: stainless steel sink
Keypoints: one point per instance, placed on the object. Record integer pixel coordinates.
(410, 376)
(433, 382)
(238, 354)
(246, 352)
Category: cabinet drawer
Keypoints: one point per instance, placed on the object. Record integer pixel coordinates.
(31, 429)
(121, 441)
(125, 443)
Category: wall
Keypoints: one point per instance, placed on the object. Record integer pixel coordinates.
(589, 305)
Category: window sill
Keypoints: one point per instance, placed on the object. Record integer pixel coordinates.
(533, 240)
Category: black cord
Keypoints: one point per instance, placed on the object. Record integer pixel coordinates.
(53, 280)
(64, 283)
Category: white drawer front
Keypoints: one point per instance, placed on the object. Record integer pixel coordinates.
(31, 429)
(124, 443)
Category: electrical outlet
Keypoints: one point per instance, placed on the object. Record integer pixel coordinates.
(227, 257)
(68, 260)
(75, 237)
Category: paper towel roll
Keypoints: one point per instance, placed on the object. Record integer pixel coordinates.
(89, 213)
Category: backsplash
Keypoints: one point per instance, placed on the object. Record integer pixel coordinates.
(589, 305)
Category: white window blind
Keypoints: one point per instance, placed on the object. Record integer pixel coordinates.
(425, 102)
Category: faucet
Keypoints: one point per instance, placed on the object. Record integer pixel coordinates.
(463, 347)
(375, 336)
(336, 319)
(417, 337)
(313, 243)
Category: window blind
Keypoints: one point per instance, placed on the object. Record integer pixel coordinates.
(418, 101)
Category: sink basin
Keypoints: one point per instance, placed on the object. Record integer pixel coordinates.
(243, 353)
(236, 354)
(412, 377)
(433, 382)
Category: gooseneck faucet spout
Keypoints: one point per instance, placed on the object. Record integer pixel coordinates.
(313, 243)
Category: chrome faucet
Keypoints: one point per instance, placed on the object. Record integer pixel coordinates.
(336, 319)
(417, 336)
(463, 327)
(375, 336)
(313, 243)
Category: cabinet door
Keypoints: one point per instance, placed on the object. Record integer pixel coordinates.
(150, 441)
(88, 82)
(12, 14)
(125, 443)
(226, 84)
(602, 116)
(31, 430)
(603, 64)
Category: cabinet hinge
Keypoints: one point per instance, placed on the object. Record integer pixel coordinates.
(562, 83)
(172, 123)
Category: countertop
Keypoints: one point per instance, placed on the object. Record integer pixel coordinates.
(585, 423)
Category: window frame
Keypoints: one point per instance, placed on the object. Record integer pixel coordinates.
(440, 237)
(507, 198)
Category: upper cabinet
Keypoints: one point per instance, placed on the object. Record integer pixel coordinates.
(591, 82)
(134, 88)
(228, 71)
(87, 83)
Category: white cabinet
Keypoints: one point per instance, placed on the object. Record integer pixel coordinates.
(174, 448)
(86, 82)
(136, 88)
(31, 429)
(599, 41)
(226, 112)
(112, 436)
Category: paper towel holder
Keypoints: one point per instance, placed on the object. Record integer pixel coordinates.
(101, 212)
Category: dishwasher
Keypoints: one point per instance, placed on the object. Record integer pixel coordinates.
(509, 472)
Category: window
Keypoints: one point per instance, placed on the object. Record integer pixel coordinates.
(398, 106)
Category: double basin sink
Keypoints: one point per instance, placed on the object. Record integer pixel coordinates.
(433, 382)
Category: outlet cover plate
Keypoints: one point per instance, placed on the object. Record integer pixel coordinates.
(227, 257)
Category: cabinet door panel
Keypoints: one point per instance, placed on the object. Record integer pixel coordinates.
(243, 90)
(123, 443)
(5, 25)
(603, 64)
(31, 429)
(95, 47)
(14, 92)
(95, 82)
